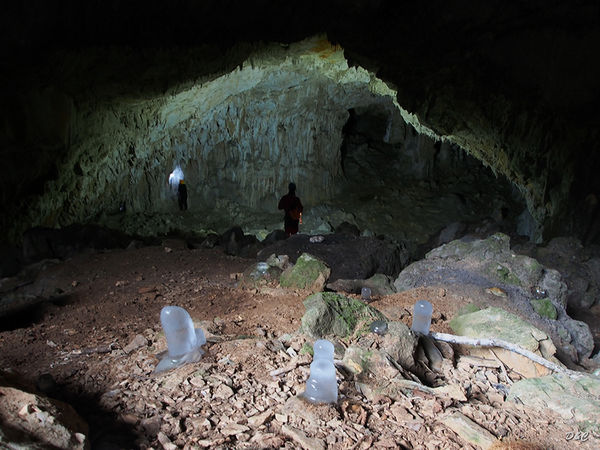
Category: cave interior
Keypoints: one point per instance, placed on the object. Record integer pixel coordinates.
(409, 122)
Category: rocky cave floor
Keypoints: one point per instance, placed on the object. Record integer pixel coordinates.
(89, 341)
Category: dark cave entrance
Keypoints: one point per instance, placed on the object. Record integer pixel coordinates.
(423, 190)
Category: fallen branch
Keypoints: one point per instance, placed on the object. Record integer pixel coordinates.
(463, 340)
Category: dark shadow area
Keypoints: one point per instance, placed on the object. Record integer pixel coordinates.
(107, 432)
(33, 313)
(420, 190)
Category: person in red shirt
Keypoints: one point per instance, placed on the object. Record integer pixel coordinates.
(293, 210)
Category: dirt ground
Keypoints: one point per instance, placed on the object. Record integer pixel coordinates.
(85, 341)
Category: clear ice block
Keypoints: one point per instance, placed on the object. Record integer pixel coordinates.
(422, 317)
(183, 341)
(321, 386)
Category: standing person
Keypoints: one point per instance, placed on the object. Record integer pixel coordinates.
(293, 210)
(182, 195)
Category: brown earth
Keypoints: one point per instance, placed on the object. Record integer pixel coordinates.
(229, 399)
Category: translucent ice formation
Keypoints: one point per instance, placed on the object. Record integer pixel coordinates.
(422, 317)
(365, 294)
(379, 327)
(183, 341)
(321, 386)
(323, 349)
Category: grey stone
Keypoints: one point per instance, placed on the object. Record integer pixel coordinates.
(581, 337)
(308, 273)
(379, 284)
(492, 266)
(333, 314)
(400, 343)
(470, 431)
(495, 323)
(572, 399)
(138, 341)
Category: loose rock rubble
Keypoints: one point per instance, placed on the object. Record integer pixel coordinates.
(245, 392)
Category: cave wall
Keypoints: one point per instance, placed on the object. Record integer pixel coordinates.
(90, 93)
(239, 137)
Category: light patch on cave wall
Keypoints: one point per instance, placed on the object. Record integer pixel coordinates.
(241, 136)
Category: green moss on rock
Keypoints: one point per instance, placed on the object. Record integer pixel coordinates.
(505, 275)
(306, 273)
(499, 324)
(544, 308)
(333, 314)
(467, 309)
(307, 349)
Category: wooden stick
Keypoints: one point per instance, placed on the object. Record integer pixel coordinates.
(483, 342)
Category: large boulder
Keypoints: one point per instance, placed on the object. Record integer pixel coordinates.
(495, 323)
(33, 421)
(400, 343)
(308, 273)
(577, 399)
(236, 243)
(348, 256)
(329, 314)
(490, 265)
(379, 284)
(579, 267)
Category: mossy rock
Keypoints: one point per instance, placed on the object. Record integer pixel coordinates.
(491, 247)
(504, 274)
(468, 309)
(500, 324)
(333, 314)
(309, 272)
(544, 308)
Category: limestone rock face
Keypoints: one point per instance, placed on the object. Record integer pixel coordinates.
(238, 137)
(495, 323)
(515, 280)
(572, 399)
(157, 86)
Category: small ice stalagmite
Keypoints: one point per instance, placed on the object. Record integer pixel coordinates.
(365, 294)
(323, 349)
(321, 386)
(183, 341)
(422, 317)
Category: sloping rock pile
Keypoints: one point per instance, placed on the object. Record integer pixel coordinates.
(517, 282)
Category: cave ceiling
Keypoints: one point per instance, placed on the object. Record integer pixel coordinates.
(515, 85)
